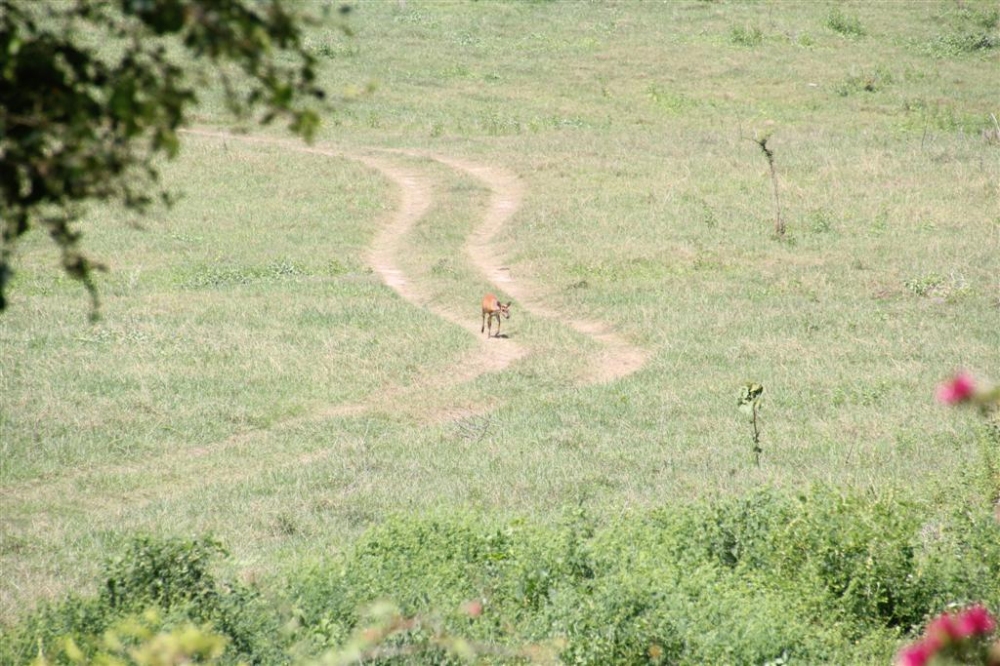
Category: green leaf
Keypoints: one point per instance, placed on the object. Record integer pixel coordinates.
(750, 394)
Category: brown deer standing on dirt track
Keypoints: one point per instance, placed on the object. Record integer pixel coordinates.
(492, 307)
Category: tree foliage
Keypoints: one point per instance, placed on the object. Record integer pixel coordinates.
(94, 91)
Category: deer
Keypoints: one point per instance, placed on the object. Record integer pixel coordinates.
(492, 307)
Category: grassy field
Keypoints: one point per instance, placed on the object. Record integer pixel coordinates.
(254, 377)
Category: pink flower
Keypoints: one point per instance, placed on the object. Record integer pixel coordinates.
(473, 608)
(918, 654)
(956, 390)
(943, 629)
(975, 621)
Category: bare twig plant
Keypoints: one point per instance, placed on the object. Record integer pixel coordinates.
(779, 224)
(749, 404)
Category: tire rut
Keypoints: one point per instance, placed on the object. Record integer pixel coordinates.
(618, 358)
(416, 198)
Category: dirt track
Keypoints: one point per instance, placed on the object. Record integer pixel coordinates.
(618, 357)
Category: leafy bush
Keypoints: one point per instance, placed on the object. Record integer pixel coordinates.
(143, 641)
(172, 575)
(861, 552)
(875, 561)
(924, 285)
(958, 44)
(748, 35)
(842, 24)
(820, 577)
(44, 631)
(163, 573)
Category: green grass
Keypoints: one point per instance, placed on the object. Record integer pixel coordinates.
(251, 376)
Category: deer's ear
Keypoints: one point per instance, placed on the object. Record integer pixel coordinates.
(508, 303)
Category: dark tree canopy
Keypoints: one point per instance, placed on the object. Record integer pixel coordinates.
(92, 91)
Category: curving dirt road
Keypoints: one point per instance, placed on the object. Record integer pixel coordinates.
(416, 197)
(618, 357)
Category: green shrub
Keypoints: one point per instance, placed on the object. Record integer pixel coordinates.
(748, 35)
(43, 631)
(924, 285)
(880, 561)
(951, 45)
(842, 24)
(163, 573)
(861, 551)
(821, 577)
(142, 641)
(740, 531)
(171, 575)
(658, 593)
(763, 578)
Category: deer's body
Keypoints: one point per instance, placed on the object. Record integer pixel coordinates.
(493, 308)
